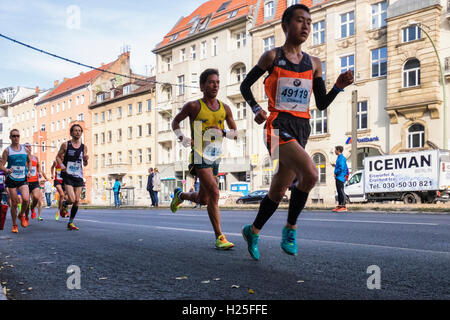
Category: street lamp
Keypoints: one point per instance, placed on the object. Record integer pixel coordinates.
(414, 23)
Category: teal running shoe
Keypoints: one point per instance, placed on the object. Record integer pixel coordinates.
(252, 241)
(176, 201)
(289, 241)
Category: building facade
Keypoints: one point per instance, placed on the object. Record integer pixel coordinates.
(66, 105)
(215, 35)
(399, 110)
(124, 143)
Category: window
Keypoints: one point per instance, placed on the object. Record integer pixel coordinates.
(52, 127)
(80, 117)
(379, 14)
(149, 105)
(139, 107)
(103, 160)
(96, 138)
(269, 43)
(174, 37)
(149, 154)
(43, 166)
(411, 73)
(103, 137)
(96, 118)
(109, 136)
(109, 115)
(319, 32)
(267, 171)
(232, 14)
(149, 129)
(130, 156)
(130, 109)
(82, 99)
(43, 146)
(347, 24)
(269, 9)
(119, 112)
(204, 23)
(139, 155)
(241, 110)
(130, 132)
(411, 33)
(241, 39)
(193, 52)
(379, 62)
(223, 6)
(214, 47)
(57, 107)
(319, 162)
(95, 161)
(103, 116)
(318, 122)
(119, 134)
(203, 50)
(127, 89)
(416, 136)
(292, 2)
(181, 86)
(194, 82)
(139, 129)
(110, 158)
(182, 55)
(239, 73)
(52, 110)
(69, 105)
(362, 115)
(348, 63)
(168, 61)
(119, 157)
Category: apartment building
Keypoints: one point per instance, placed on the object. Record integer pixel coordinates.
(67, 104)
(215, 35)
(124, 141)
(374, 39)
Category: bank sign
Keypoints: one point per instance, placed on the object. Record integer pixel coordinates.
(402, 172)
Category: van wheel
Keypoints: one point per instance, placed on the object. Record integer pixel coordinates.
(411, 198)
(240, 202)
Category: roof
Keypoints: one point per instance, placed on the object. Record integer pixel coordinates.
(209, 15)
(279, 10)
(402, 7)
(76, 82)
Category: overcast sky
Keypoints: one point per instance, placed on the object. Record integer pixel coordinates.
(91, 32)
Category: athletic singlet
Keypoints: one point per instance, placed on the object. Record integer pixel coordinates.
(204, 124)
(58, 173)
(73, 161)
(289, 85)
(34, 174)
(17, 160)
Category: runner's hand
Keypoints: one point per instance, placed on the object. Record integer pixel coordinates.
(345, 79)
(186, 142)
(261, 117)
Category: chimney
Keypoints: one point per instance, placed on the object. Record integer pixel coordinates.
(37, 89)
(55, 84)
(65, 79)
(81, 73)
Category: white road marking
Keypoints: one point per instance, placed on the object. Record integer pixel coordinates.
(372, 221)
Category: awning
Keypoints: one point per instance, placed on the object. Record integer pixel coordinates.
(166, 179)
(222, 174)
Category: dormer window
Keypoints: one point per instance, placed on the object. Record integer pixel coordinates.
(174, 37)
(224, 6)
(127, 89)
(232, 14)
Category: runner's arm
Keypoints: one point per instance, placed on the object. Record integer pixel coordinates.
(324, 99)
(183, 114)
(3, 161)
(52, 168)
(61, 152)
(85, 156)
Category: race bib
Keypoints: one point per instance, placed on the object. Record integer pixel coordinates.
(74, 169)
(2, 179)
(33, 171)
(58, 174)
(293, 94)
(18, 172)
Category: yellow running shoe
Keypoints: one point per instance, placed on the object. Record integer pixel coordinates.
(57, 216)
(71, 226)
(223, 244)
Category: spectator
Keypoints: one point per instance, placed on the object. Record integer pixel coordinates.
(340, 174)
(48, 192)
(116, 189)
(156, 181)
(150, 185)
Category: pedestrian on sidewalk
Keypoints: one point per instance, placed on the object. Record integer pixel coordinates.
(150, 186)
(48, 192)
(340, 175)
(116, 189)
(156, 182)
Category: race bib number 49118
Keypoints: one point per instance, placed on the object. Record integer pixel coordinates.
(293, 94)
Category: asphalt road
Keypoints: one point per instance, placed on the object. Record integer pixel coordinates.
(156, 255)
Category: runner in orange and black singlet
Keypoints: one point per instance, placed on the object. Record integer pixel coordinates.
(293, 77)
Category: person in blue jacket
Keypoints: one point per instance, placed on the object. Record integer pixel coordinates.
(116, 189)
(340, 174)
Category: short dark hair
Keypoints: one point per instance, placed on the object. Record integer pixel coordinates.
(205, 74)
(339, 148)
(75, 125)
(10, 133)
(289, 12)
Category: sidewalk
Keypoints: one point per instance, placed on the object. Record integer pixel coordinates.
(439, 208)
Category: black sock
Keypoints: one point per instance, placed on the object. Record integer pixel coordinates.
(266, 210)
(296, 205)
(73, 212)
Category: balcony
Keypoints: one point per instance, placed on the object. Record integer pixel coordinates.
(166, 135)
(233, 90)
(447, 67)
(117, 169)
